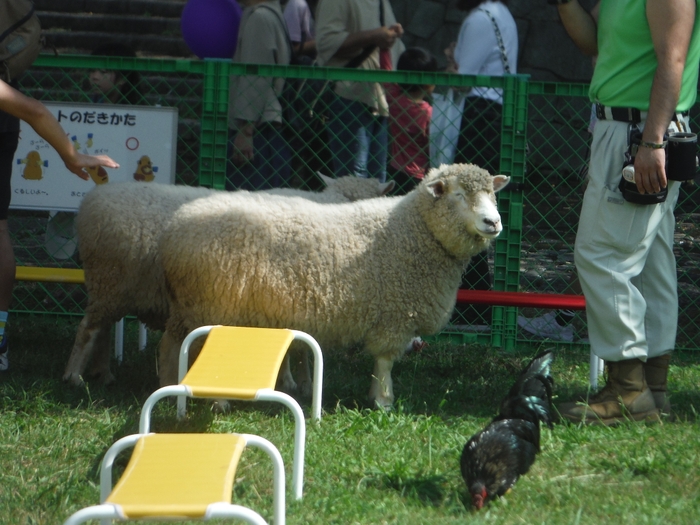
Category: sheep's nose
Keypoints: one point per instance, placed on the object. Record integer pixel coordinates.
(493, 225)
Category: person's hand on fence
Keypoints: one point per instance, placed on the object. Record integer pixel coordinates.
(243, 147)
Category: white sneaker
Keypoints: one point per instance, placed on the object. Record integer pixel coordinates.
(547, 326)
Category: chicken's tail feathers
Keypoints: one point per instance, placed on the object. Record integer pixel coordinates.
(537, 386)
(533, 408)
(540, 366)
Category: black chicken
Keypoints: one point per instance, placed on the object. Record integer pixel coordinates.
(494, 459)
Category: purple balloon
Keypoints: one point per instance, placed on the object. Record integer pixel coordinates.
(210, 27)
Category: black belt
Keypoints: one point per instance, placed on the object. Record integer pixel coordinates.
(632, 115)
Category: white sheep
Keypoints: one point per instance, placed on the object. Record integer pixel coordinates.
(118, 229)
(375, 273)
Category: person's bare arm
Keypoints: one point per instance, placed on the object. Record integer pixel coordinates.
(581, 25)
(309, 47)
(47, 127)
(671, 24)
(382, 37)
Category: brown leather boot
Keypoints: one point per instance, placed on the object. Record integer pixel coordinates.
(656, 375)
(625, 396)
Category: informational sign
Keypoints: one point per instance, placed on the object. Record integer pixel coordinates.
(141, 139)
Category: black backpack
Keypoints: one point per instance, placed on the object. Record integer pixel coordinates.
(20, 37)
(303, 101)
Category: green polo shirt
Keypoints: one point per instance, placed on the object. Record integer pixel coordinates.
(627, 62)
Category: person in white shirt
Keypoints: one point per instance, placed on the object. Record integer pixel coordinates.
(487, 45)
(300, 24)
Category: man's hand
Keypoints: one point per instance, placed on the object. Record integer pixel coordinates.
(649, 170)
(386, 36)
(452, 66)
(242, 148)
(671, 26)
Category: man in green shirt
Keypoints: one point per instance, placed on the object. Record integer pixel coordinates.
(645, 79)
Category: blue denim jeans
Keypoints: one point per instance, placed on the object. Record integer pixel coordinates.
(357, 139)
(271, 164)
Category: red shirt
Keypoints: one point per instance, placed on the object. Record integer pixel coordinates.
(409, 126)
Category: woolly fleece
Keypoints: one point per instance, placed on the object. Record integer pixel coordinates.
(375, 273)
(118, 227)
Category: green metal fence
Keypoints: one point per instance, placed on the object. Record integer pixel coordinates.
(543, 148)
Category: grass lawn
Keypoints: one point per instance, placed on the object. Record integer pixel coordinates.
(362, 466)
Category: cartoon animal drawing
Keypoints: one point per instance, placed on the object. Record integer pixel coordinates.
(33, 164)
(98, 174)
(145, 170)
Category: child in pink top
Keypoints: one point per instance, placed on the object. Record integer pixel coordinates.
(409, 121)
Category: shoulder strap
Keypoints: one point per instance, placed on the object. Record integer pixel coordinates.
(499, 39)
(18, 23)
(284, 27)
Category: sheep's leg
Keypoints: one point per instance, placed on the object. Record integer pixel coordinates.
(382, 389)
(304, 384)
(99, 364)
(87, 337)
(168, 357)
(304, 375)
(285, 380)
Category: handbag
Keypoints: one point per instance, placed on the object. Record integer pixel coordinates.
(303, 100)
(444, 126)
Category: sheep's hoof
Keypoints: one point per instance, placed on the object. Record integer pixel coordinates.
(288, 387)
(306, 389)
(105, 377)
(74, 379)
(384, 404)
(220, 406)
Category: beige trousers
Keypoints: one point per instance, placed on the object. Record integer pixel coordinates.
(624, 257)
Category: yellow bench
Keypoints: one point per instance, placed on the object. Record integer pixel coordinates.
(242, 363)
(180, 476)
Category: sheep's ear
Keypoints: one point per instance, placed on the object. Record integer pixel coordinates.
(329, 181)
(386, 187)
(500, 182)
(437, 188)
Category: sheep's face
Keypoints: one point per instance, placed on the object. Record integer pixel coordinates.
(470, 194)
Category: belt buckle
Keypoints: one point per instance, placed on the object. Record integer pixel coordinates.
(600, 111)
